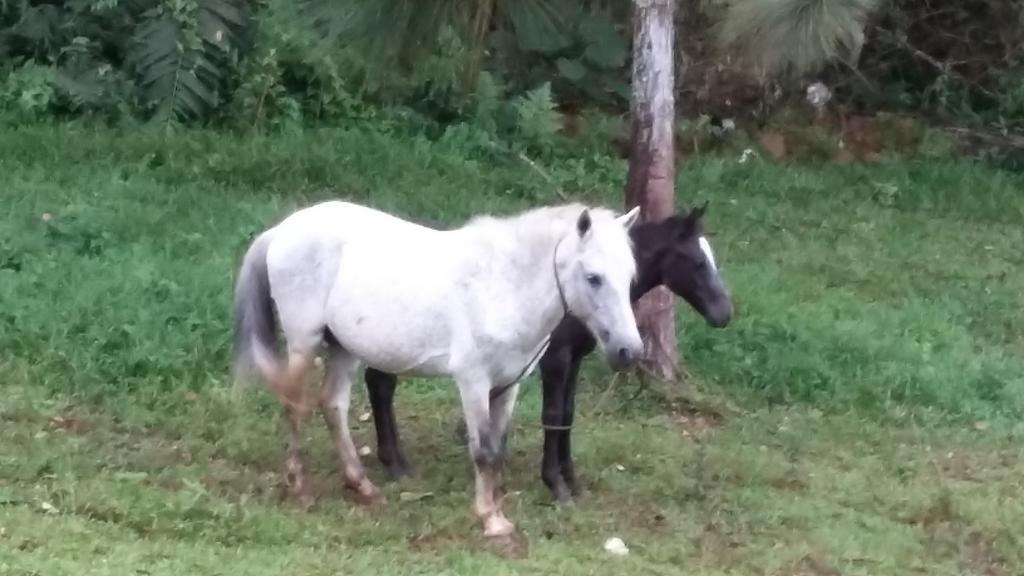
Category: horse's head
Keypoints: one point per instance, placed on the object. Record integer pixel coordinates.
(688, 268)
(595, 267)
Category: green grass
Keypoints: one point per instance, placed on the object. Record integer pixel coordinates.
(872, 384)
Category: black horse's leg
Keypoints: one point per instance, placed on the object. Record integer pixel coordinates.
(380, 387)
(554, 367)
(568, 415)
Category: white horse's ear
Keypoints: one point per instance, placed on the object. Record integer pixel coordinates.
(630, 218)
(583, 224)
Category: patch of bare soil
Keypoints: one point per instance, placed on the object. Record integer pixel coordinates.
(716, 547)
(812, 565)
(967, 465)
(773, 144)
(978, 551)
(152, 454)
(434, 542)
(70, 421)
(696, 421)
(981, 557)
(789, 483)
(941, 511)
(840, 137)
(513, 546)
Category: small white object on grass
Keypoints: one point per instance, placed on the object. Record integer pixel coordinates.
(414, 496)
(620, 467)
(364, 417)
(365, 451)
(616, 546)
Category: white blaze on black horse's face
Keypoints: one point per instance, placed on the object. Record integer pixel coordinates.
(705, 247)
(596, 268)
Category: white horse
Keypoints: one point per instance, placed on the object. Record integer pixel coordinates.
(477, 303)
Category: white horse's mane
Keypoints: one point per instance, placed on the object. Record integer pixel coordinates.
(564, 213)
(552, 221)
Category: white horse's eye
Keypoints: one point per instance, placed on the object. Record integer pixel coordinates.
(594, 280)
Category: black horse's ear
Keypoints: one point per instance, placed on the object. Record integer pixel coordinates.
(583, 224)
(699, 211)
(629, 218)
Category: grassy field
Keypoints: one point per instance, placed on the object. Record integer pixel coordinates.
(861, 416)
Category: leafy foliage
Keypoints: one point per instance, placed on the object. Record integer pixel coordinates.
(487, 101)
(536, 118)
(277, 63)
(181, 54)
(29, 90)
(261, 98)
(579, 47)
(585, 61)
(962, 60)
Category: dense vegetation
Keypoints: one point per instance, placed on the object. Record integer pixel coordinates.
(269, 62)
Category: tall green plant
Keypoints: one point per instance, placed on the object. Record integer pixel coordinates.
(183, 53)
(179, 54)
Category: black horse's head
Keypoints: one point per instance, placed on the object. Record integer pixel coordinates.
(676, 253)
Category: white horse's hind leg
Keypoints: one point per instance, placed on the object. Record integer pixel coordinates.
(335, 399)
(484, 449)
(290, 388)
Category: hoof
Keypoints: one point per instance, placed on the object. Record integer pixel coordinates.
(576, 489)
(297, 489)
(372, 502)
(366, 494)
(397, 470)
(561, 493)
(497, 525)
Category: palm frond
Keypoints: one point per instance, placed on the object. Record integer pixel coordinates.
(795, 35)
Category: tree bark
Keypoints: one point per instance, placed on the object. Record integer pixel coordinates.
(651, 178)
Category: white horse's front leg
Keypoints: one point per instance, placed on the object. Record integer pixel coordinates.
(485, 449)
(335, 399)
(502, 408)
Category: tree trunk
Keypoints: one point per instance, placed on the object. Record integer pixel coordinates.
(651, 179)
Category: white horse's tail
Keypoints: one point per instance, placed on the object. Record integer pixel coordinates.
(255, 325)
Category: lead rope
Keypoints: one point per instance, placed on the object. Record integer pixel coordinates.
(500, 391)
(565, 310)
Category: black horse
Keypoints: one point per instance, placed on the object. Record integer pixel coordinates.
(674, 253)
